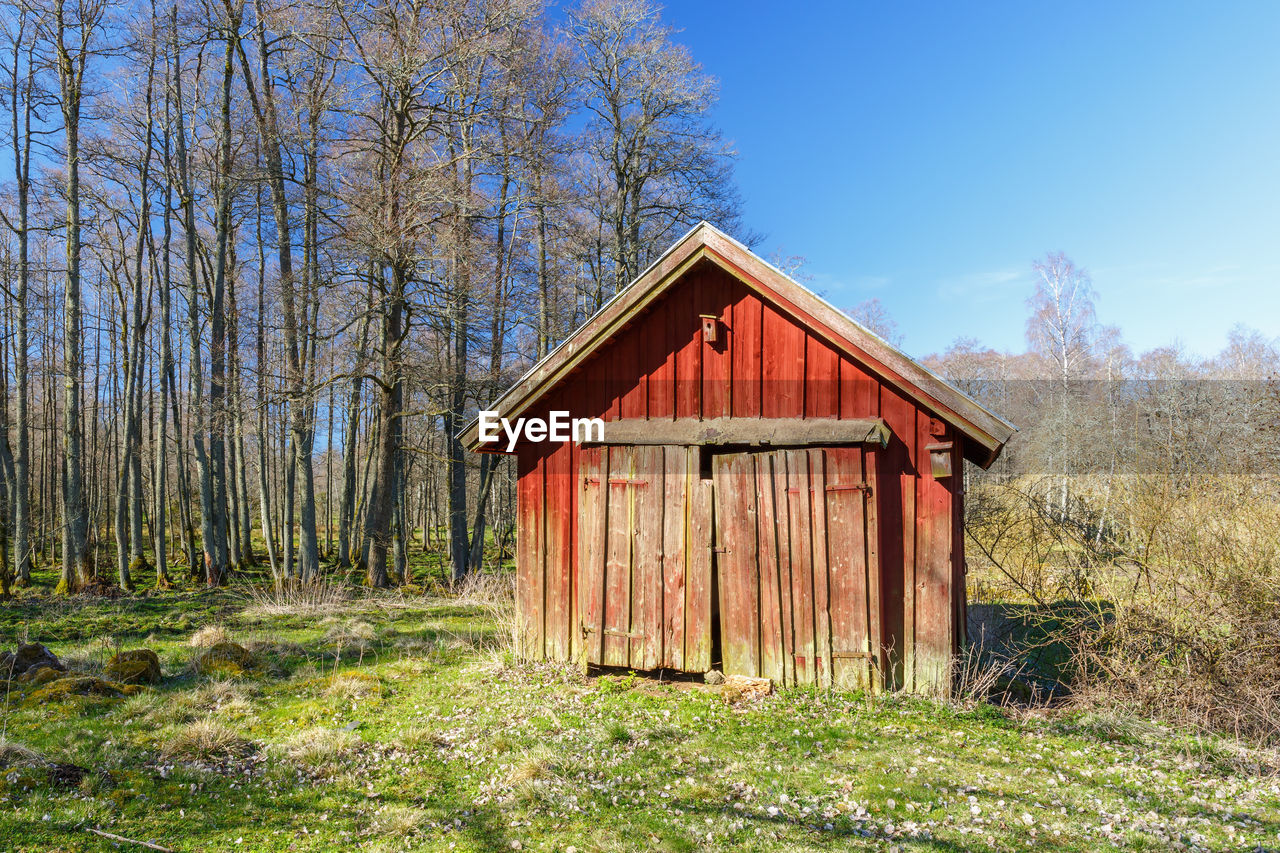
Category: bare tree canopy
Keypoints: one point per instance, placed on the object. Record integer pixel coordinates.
(262, 259)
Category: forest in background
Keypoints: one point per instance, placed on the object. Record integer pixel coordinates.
(1126, 545)
(261, 260)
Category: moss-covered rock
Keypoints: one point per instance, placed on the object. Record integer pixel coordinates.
(225, 659)
(26, 658)
(40, 675)
(79, 685)
(136, 666)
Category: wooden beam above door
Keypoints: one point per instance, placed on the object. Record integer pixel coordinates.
(749, 432)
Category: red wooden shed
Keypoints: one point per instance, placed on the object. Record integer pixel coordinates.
(777, 491)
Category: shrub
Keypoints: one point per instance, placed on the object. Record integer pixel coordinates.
(1174, 616)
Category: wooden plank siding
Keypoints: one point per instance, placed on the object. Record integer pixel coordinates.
(618, 572)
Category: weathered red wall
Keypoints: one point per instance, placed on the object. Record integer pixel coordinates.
(764, 364)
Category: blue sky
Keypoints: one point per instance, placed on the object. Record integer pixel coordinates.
(927, 153)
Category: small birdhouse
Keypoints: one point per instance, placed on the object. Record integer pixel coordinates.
(710, 327)
(940, 459)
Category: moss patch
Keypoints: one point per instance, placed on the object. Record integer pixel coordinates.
(71, 686)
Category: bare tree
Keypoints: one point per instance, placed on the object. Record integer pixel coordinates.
(872, 314)
(648, 102)
(1061, 330)
(73, 33)
(23, 99)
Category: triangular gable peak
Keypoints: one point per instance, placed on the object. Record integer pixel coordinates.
(706, 247)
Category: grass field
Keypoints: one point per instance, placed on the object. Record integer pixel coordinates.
(383, 722)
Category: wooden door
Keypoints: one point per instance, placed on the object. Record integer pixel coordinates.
(644, 558)
(797, 565)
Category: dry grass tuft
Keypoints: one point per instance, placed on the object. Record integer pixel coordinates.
(354, 685)
(529, 768)
(421, 738)
(496, 595)
(14, 754)
(396, 821)
(320, 748)
(315, 599)
(276, 648)
(207, 740)
(218, 694)
(161, 709)
(537, 764)
(209, 635)
(354, 634)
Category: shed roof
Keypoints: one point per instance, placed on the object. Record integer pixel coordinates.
(986, 431)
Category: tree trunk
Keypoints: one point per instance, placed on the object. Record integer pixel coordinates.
(262, 97)
(75, 567)
(21, 92)
(382, 498)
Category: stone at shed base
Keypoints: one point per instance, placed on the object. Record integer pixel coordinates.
(743, 688)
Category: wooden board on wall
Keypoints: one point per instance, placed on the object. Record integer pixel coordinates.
(717, 361)
(675, 520)
(773, 645)
(897, 508)
(530, 558)
(850, 568)
(821, 575)
(737, 565)
(782, 366)
(932, 600)
(617, 562)
(697, 549)
(647, 494)
(593, 468)
(801, 536)
(745, 347)
(560, 480)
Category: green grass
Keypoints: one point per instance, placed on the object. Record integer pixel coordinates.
(426, 735)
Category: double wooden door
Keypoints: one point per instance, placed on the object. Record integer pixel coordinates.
(789, 536)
